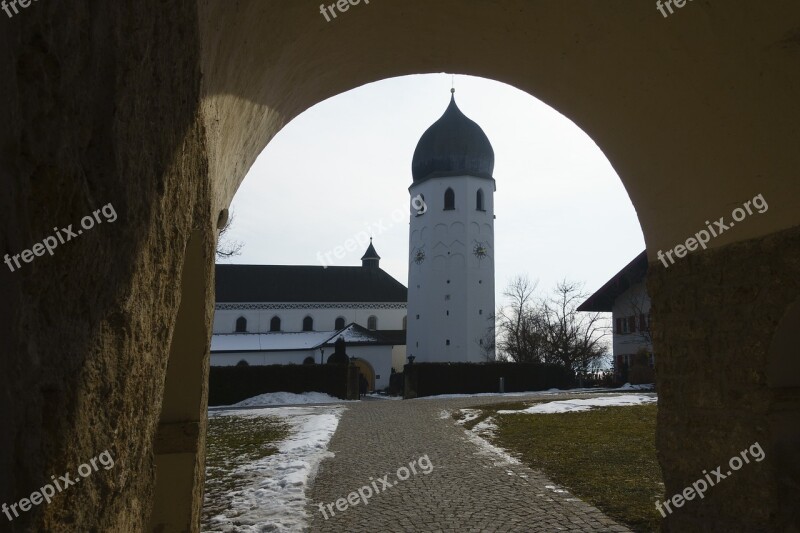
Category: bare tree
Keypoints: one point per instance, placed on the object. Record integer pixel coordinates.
(519, 324)
(227, 248)
(488, 342)
(576, 339)
(551, 330)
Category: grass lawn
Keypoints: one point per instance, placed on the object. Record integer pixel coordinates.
(605, 456)
(234, 441)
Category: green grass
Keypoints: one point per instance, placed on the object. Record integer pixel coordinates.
(233, 441)
(606, 456)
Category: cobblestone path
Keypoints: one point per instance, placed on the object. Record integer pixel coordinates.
(468, 490)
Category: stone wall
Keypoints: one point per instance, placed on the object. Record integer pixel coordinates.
(714, 315)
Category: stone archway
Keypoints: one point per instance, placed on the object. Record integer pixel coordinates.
(366, 369)
(162, 108)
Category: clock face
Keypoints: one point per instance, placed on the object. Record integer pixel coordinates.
(419, 256)
(480, 250)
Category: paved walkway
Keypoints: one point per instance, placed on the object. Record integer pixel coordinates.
(468, 490)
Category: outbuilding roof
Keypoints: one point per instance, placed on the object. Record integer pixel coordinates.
(603, 299)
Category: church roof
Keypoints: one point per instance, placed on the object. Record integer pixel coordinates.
(603, 299)
(284, 283)
(453, 146)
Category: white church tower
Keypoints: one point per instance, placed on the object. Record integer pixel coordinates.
(451, 243)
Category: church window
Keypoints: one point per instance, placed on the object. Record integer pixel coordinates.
(308, 324)
(480, 311)
(309, 361)
(479, 200)
(447, 342)
(241, 325)
(275, 324)
(372, 323)
(339, 323)
(449, 199)
(480, 341)
(405, 322)
(417, 317)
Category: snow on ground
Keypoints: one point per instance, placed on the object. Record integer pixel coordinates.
(287, 398)
(548, 392)
(469, 415)
(572, 406)
(272, 493)
(479, 436)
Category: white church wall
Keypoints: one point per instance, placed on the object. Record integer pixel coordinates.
(324, 316)
(399, 357)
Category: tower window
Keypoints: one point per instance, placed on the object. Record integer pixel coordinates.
(480, 311)
(275, 324)
(372, 323)
(479, 200)
(417, 317)
(308, 324)
(449, 199)
(447, 312)
(241, 325)
(447, 342)
(339, 324)
(405, 322)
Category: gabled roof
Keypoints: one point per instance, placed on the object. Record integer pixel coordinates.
(279, 283)
(603, 299)
(354, 335)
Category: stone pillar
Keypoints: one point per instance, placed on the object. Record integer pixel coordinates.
(714, 318)
(179, 445)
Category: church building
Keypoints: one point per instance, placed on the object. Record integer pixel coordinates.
(276, 314)
(451, 243)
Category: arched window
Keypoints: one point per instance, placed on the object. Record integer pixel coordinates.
(479, 200)
(241, 325)
(309, 361)
(405, 322)
(308, 324)
(339, 323)
(275, 324)
(449, 199)
(372, 323)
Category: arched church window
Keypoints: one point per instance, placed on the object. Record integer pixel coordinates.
(308, 324)
(275, 324)
(372, 323)
(449, 199)
(241, 325)
(339, 323)
(479, 200)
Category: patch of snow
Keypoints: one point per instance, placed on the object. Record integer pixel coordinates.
(573, 406)
(273, 495)
(287, 398)
(469, 415)
(527, 393)
(628, 386)
(498, 455)
(443, 414)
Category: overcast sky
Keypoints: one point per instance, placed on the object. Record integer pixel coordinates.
(344, 167)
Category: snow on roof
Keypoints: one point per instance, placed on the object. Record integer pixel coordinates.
(263, 342)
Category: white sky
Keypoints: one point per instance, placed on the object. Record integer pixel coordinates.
(344, 166)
